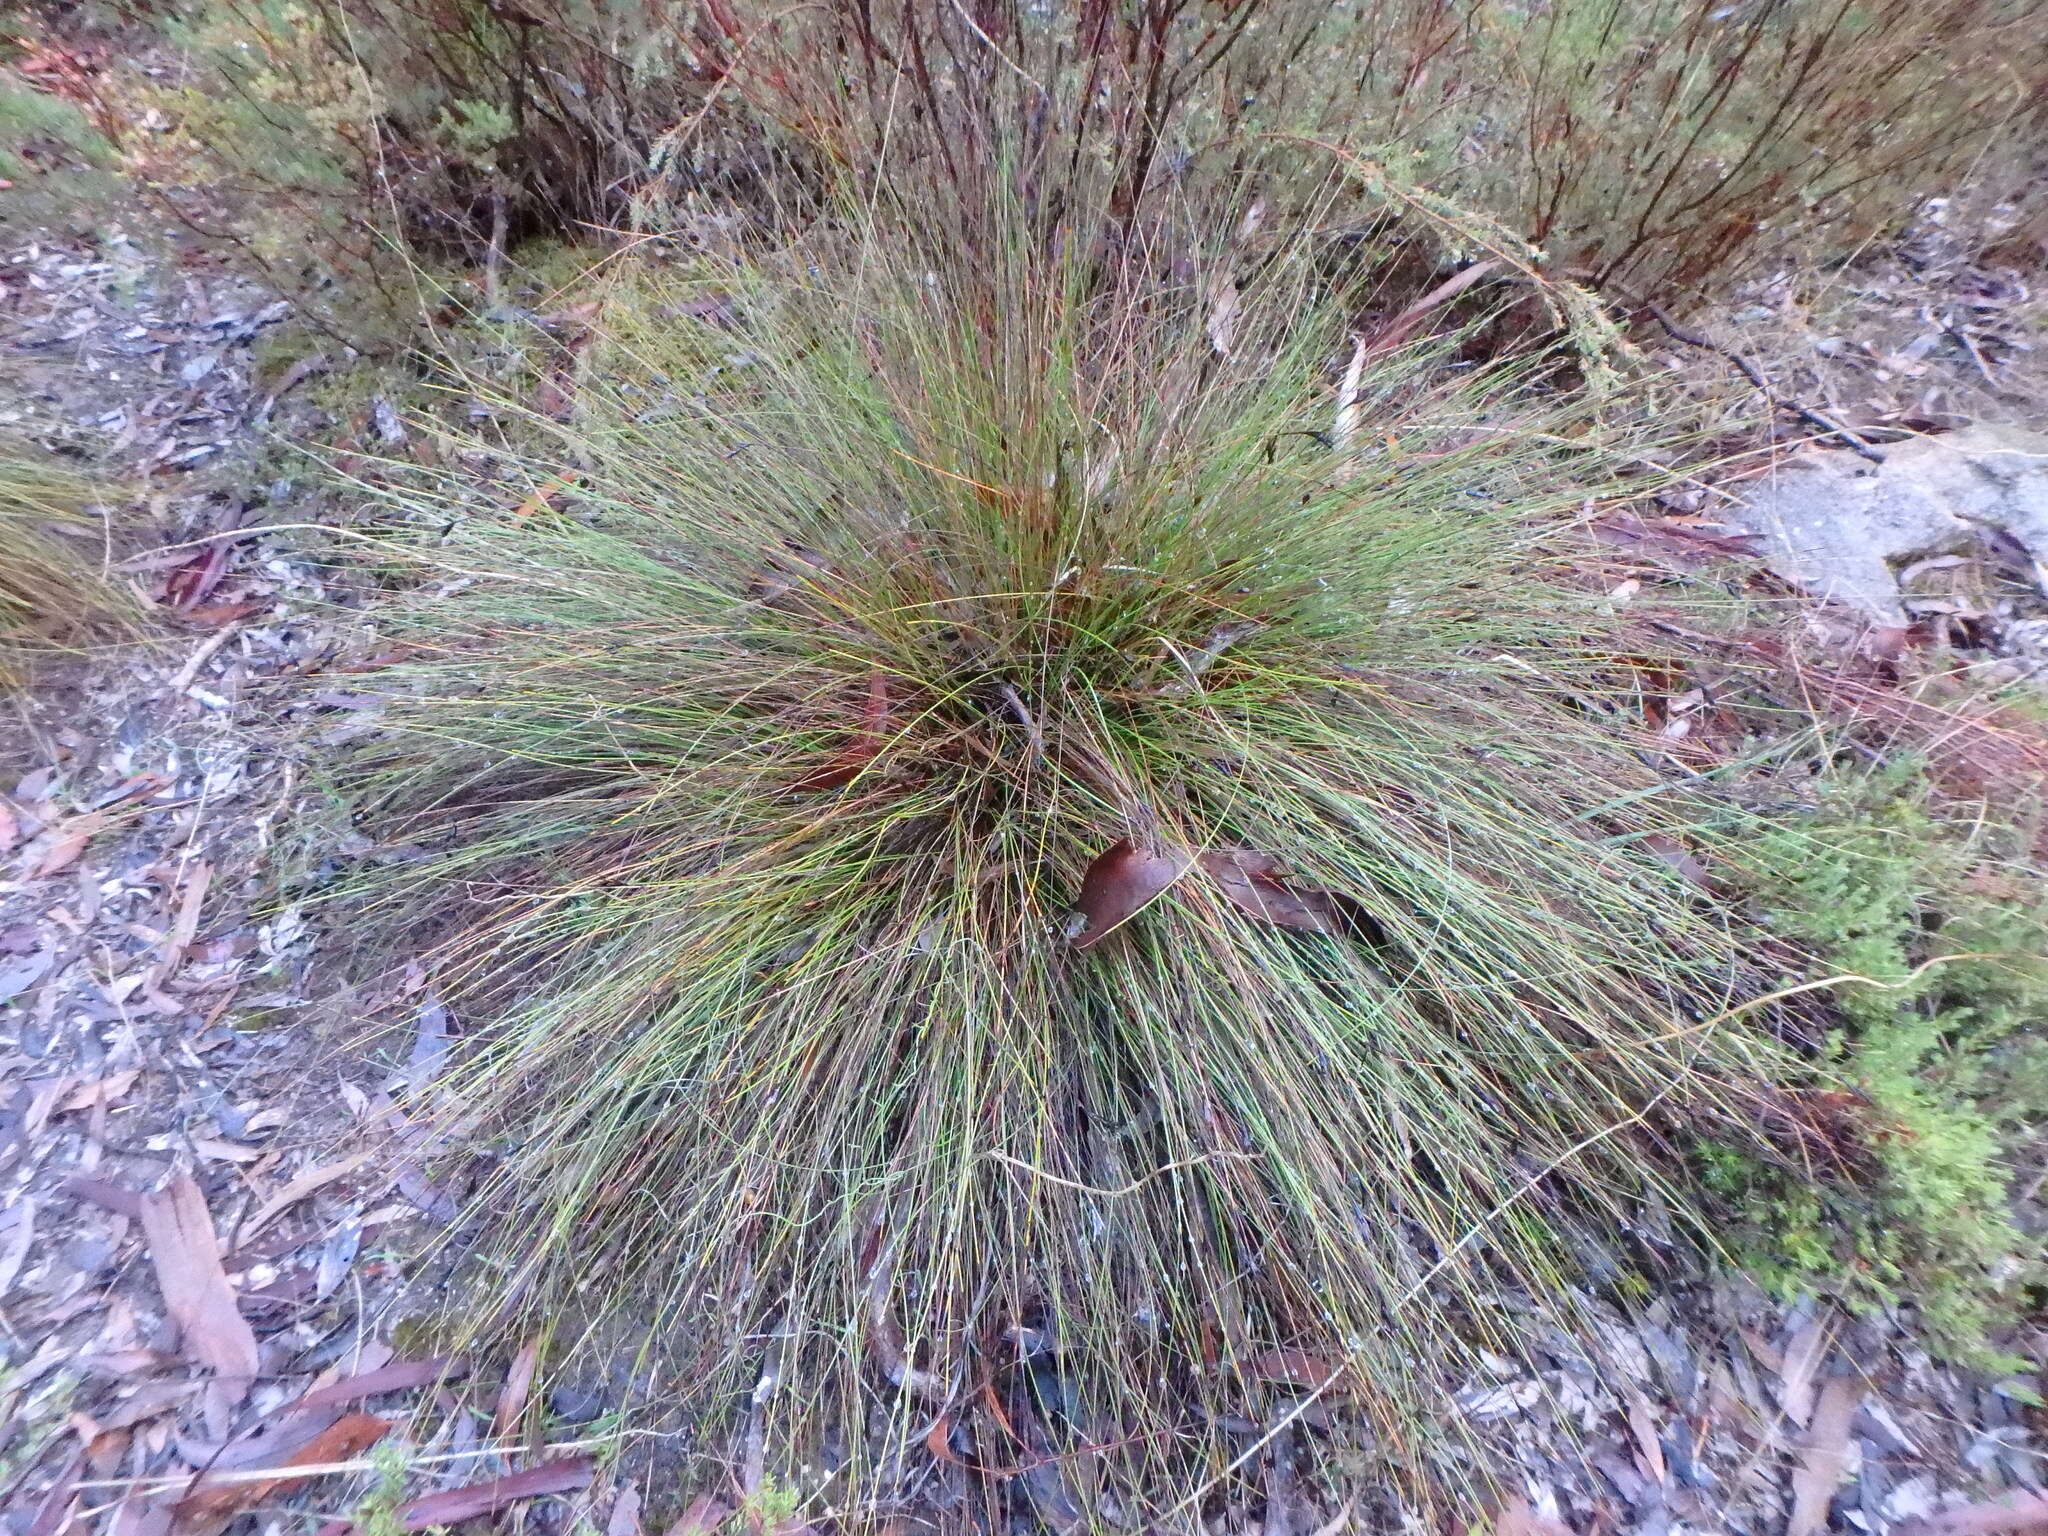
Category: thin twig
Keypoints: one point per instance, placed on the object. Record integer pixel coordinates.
(1959, 334)
(494, 253)
(1751, 372)
(1014, 702)
(189, 673)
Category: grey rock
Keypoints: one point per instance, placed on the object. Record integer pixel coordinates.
(574, 1404)
(1839, 526)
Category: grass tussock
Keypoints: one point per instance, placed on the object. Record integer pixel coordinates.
(875, 609)
(53, 587)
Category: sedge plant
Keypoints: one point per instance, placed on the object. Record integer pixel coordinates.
(53, 588)
(1044, 868)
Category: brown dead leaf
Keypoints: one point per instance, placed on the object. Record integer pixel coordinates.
(221, 614)
(105, 1445)
(1823, 1456)
(186, 1253)
(53, 1514)
(1296, 1366)
(185, 927)
(710, 308)
(561, 372)
(861, 748)
(280, 1434)
(195, 577)
(17, 1234)
(135, 1516)
(564, 1475)
(1252, 882)
(624, 1519)
(398, 1376)
(58, 846)
(305, 1184)
(209, 1504)
(300, 371)
(106, 1090)
(44, 1095)
(66, 842)
(1642, 1424)
(111, 1197)
(702, 1516)
(1402, 326)
(1674, 855)
(1518, 1518)
(150, 1400)
(518, 1387)
(2016, 1512)
(1802, 1358)
(1124, 879)
(1673, 544)
(544, 497)
(1224, 308)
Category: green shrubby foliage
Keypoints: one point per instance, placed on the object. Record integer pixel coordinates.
(1667, 147)
(1659, 147)
(60, 161)
(1946, 1042)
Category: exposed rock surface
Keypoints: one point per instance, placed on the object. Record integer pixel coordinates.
(1841, 527)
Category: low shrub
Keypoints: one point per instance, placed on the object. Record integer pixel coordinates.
(1665, 148)
(433, 128)
(1658, 148)
(1945, 916)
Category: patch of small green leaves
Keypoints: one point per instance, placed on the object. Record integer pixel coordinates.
(1946, 921)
